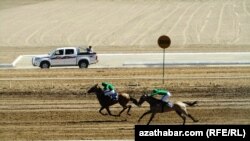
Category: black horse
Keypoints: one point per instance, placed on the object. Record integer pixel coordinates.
(157, 107)
(106, 102)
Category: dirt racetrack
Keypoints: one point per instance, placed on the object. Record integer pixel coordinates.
(53, 104)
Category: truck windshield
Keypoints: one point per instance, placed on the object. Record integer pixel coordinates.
(51, 52)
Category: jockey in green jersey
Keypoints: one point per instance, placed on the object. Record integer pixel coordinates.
(165, 95)
(109, 90)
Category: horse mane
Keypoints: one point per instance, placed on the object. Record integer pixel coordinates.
(153, 100)
(99, 89)
(100, 95)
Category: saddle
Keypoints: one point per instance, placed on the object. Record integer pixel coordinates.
(114, 96)
(166, 104)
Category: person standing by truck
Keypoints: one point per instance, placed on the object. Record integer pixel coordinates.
(89, 49)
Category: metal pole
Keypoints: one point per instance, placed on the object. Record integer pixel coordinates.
(163, 66)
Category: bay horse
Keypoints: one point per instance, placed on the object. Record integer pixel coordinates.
(106, 101)
(157, 107)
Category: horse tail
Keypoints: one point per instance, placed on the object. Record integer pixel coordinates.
(134, 101)
(190, 103)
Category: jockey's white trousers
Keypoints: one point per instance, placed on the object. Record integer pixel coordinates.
(165, 97)
(107, 92)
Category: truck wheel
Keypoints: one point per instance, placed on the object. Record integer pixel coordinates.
(44, 65)
(83, 64)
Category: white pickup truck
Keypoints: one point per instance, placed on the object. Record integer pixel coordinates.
(66, 56)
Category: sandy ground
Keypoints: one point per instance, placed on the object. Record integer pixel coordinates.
(40, 23)
(60, 108)
(38, 26)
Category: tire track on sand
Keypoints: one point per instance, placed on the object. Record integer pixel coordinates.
(216, 37)
(189, 21)
(152, 29)
(245, 8)
(179, 19)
